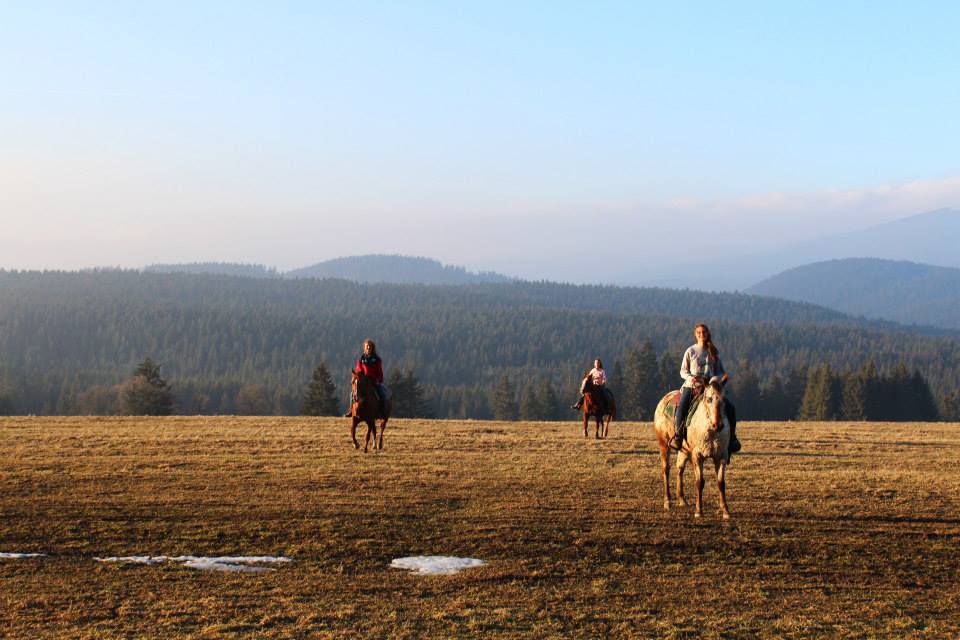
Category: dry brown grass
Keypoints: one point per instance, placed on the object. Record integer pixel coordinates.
(838, 530)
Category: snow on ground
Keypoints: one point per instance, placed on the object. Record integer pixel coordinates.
(221, 563)
(4, 554)
(439, 565)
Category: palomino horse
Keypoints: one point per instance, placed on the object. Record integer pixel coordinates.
(367, 408)
(708, 436)
(593, 407)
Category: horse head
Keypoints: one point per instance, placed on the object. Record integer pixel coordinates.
(362, 385)
(713, 401)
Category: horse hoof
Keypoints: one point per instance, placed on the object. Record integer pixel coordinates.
(681, 502)
(666, 506)
(697, 515)
(356, 446)
(726, 515)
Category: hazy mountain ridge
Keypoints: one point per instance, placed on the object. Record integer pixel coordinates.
(216, 268)
(929, 238)
(371, 268)
(901, 291)
(394, 269)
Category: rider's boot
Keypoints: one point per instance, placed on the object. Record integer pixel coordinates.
(734, 442)
(676, 442)
(578, 404)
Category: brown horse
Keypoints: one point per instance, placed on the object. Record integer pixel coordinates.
(368, 408)
(708, 436)
(593, 407)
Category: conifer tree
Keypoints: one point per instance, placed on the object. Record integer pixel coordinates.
(921, 399)
(669, 373)
(530, 408)
(407, 395)
(854, 397)
(795, 388)
(774, 404)
(616, 383)
(147, 393)
(417, 402)
(549, 402)
(873, 399)
(819, 399)
(321, 396)
(504, 403)
(646, 381)
(745, 389)
(252, 400)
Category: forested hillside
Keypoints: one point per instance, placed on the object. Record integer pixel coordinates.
(905, 292)
(65, 334)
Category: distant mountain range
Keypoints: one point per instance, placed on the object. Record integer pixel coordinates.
(905, 292)
(373, 268)
(216, 268)
(394, 269)
(929, 238)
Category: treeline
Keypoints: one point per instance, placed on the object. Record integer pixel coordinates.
(818, 393)
(67, 340)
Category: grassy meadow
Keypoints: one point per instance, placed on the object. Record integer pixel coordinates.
(838, 530)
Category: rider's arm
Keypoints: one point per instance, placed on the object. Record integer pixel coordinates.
(685, 367)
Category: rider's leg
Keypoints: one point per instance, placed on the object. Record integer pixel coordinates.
(383, 394)
(680, 418)
(579, 403)
(732, 417)
(605, 409)
(350, 402)
(608, 398)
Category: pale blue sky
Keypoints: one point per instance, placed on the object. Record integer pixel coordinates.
(288, 133)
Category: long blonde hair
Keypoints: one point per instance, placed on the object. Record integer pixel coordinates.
(708, 341)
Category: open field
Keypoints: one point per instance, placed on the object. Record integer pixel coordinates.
(838, 530)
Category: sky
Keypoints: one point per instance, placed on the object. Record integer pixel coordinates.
(553, 140)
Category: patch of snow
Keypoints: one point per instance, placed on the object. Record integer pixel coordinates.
(204, 563)
(20, 555)
(134, 559)
(436, 565)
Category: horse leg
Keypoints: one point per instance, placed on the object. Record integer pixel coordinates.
(586, 418)
(698, 469)
(596, 430)
(366, 443)
(353, 433)
(606, 427)
(383, 427)
(721, 468)
(665, 471)
(681, 463)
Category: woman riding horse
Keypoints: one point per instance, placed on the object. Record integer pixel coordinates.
(370, 365)
(701, 362)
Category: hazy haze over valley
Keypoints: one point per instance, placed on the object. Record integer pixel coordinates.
(522, 139)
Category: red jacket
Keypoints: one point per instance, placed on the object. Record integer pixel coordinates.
(371, 367)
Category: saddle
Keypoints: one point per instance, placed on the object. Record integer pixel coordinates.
(670, 409)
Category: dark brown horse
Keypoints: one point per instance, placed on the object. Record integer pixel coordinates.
(368, 408)
(593, 407)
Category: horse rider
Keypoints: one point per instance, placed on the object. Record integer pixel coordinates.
(370, 365)
(701, 363)
(598, 379)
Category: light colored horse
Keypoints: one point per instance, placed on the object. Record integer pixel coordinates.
(708, 437)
